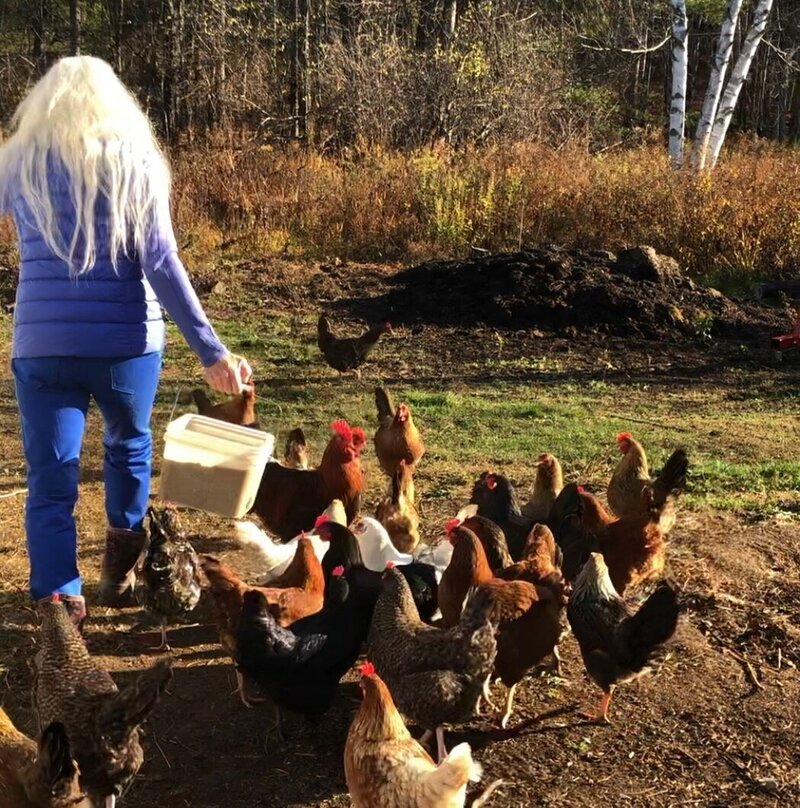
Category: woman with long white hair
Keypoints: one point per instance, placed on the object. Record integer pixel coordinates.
(88, 188)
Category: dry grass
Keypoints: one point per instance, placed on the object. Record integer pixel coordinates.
(730, 227)
(742, 221)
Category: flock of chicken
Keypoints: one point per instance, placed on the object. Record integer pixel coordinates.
(440, 623)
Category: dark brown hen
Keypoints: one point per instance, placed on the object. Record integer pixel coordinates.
(347, 353)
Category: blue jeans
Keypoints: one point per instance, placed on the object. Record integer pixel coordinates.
(53, 395)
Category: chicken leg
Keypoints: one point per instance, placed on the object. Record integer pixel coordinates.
(509, 705)
(110, 801)
(441, 748)
(487, 692)
(164, 644)
(601, 716)
(248, 701)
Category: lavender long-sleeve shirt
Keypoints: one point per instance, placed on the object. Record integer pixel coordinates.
(103, 312)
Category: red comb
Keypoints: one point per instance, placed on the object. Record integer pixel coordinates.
(491, 482)
(390, 565)
(55, 597)
(451, 524)
(337, 571)
(367, 669)
(581, 489)
(342, 429)
(624, 436)
(321, 519)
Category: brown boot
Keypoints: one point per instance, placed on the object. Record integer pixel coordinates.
(75, 605)
(117, 577)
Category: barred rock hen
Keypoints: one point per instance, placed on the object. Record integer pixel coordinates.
(631, 486)
(42, 775)
(435, 675)
(616, 643)
(348, 353)
(546, 487)
(169, 586)
(102, 721)
(384, 766)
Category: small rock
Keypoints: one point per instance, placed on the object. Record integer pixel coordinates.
(714, 292)
(218, 288)
(770, 785)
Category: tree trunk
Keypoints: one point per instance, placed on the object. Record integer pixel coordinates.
(449, 26)
(716, 81)
(74, 27)
(680, 72)
(116, 12)
(299, 87)
(737, 79)
(38, 33)
(426, 25)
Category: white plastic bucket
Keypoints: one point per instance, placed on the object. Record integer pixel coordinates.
(212, 465)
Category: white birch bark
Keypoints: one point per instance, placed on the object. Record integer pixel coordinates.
(737, 79)
(716, 81)
(680, 70)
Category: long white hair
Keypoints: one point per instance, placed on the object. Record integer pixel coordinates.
(80, 113)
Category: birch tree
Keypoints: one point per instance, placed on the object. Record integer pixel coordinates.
(719, 69)
(737, 79)
(680, 71)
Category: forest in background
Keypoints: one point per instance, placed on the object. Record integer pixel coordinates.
(399, 129)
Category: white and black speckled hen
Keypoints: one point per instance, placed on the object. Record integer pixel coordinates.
(169, 586)
(102, 721)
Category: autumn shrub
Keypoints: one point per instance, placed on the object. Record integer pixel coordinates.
(731, 227)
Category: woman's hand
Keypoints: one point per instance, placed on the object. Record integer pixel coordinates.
(232, 375)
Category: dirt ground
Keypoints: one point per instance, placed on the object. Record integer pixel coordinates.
(716, 725)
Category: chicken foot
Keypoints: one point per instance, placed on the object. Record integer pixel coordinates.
(164, 644)
(509, 705)
(557, 669)
(487, 792)
(248, 701)
(277, 728)
(441, 748)
(601, 716)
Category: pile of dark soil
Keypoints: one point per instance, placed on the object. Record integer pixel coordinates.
(636, 293)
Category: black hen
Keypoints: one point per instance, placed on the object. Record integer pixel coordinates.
(170, 581)
(574, 541)
(616, 643)
(347, 353)
(300, 667)
(344, 551)
(497, 500)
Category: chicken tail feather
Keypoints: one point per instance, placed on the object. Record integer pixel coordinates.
(652, 625)
(672, 479)
(384, 404)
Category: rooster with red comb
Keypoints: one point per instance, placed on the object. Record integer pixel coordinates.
(289, 500)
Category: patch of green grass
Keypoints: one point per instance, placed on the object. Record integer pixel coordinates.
(743, 446)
